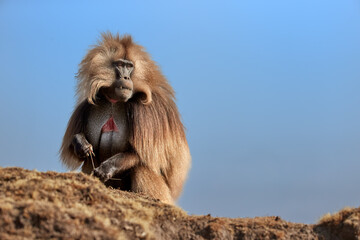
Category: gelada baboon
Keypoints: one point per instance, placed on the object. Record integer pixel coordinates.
(126, 122)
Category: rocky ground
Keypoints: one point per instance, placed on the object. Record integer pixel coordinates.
(51, 205)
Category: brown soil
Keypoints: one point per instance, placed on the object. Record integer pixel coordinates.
(51, 205)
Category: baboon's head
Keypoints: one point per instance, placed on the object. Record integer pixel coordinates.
(117, 69)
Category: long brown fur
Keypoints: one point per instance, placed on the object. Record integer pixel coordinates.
(157, 133)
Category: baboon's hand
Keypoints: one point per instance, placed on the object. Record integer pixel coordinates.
(105, 171)
(82, 147)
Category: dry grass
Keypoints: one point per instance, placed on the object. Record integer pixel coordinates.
(37, 205)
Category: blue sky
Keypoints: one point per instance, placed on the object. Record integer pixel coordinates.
(269, 92)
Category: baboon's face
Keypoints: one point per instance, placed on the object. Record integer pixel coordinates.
(122, 87)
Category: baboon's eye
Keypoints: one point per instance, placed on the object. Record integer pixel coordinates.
(119, 64)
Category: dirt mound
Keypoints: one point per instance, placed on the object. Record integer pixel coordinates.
(38, 205)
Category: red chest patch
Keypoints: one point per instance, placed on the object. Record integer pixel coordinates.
(110, 126)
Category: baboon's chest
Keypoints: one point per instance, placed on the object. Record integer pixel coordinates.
(107, 129)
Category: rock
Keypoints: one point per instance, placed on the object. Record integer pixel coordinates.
(48, 205)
